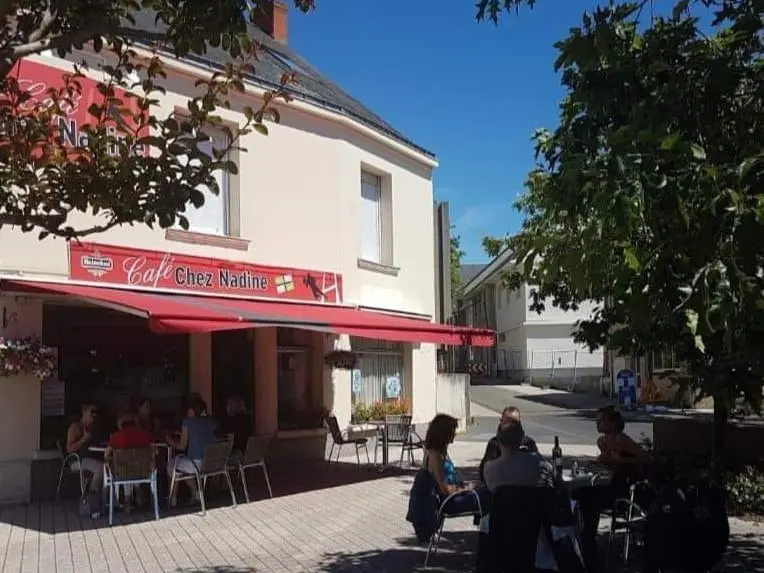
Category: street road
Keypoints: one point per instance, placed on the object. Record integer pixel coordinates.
(545, 414)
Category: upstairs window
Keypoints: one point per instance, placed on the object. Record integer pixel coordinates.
(376, 219)
(212, 218)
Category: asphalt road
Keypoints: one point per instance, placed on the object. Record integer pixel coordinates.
(545, 415)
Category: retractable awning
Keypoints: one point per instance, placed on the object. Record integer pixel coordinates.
(177, 313)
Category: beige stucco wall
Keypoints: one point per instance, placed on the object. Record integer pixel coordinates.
(19, 404)
(299, 192)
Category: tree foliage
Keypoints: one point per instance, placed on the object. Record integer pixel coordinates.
(455, 260)
(648, 198)
(133, 165)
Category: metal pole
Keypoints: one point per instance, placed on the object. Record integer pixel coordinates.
(575, 367)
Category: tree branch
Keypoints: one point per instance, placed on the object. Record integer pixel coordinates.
(48, 19)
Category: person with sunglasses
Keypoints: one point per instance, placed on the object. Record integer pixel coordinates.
(79, 438)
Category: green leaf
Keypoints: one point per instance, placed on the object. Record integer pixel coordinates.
(631, 258)
(669, 142)
(261, 128)
(697, 152)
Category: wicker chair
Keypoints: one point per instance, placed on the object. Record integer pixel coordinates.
(129, 467)
(214, 463)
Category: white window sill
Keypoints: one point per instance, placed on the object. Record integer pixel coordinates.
(378, 267)
(196, 238)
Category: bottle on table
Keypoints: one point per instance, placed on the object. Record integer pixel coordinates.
(557, 459)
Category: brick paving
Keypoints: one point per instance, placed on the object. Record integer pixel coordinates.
(336, 520)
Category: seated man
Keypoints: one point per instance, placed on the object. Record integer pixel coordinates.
(129, 435)
(493, 448)
(516, 466)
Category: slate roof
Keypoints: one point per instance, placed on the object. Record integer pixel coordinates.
(468, 271)
(273, 60)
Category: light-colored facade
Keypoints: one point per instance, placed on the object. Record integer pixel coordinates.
(322, 191)
(530, 347)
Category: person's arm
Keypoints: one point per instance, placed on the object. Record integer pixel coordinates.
(435, 465)
(491, 453)
(546, 474)
(73, 443)
(181, 443)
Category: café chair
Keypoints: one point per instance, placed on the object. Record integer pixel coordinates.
(130, 467)
(254, 457)
(214, 463)
(70, 464)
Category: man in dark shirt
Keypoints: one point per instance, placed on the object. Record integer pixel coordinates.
(237, 423)
(493, 448)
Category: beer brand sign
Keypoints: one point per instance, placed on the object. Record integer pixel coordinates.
(36, 79)
(108, 264)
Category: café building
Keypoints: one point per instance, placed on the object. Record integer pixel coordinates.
(322, 242)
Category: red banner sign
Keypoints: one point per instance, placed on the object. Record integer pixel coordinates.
(96, 263)
(36, 79)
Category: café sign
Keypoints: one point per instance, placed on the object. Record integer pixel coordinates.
(114, 265)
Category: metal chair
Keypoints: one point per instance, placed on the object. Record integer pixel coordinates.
(399, 431)
(130, 467)
(339, 440)
(214, 463)
(73, 464)
(254, 457)
(432, 548)
(628, 519)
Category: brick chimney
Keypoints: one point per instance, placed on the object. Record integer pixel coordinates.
(271, 18)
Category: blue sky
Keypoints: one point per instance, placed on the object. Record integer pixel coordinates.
(472, 93)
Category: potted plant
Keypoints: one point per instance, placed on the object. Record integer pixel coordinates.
(25, 356)
(341, 359)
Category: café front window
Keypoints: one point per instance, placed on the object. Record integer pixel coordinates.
(299, 402)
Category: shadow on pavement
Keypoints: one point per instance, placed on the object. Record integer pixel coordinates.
(216, 569)
(50, 517)
(456, 553)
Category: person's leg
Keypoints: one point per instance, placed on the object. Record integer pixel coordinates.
(95, 468)
(184, 465)
(464, 502)
(591, 502)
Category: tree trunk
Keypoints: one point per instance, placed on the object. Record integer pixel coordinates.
(721, 417)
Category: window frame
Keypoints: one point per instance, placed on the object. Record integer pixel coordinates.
(382, 182)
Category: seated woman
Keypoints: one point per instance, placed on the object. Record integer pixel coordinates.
(440, 434)
(79, 438)
(197, 432)
(627, 461)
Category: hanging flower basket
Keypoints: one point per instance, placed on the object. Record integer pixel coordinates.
(25, 356)
(341, 359)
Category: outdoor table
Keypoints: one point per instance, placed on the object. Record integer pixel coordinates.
(382, 428)
(101, 448)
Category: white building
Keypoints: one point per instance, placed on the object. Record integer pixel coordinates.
(327, 231)
(530, 347)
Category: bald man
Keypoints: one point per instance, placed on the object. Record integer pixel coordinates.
(493, 448)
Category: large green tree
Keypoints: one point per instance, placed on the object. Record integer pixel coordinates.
(648, 197)
(44, 180)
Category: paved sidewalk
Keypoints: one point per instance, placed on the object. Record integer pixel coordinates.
(356, 527)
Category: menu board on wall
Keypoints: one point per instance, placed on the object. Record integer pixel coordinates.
(53, 398)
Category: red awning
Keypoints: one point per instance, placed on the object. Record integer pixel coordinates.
(169, 313)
